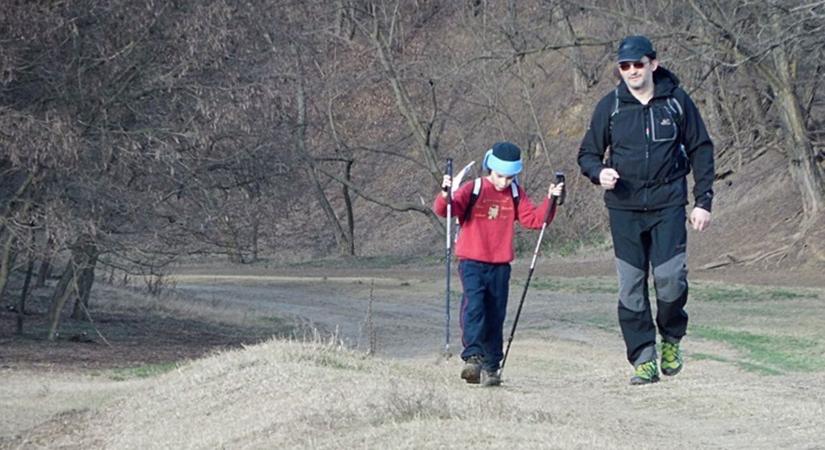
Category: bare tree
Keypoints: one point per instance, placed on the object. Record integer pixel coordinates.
(776, 40)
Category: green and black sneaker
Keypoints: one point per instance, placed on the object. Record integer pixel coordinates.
(671, 358)
(646, 373)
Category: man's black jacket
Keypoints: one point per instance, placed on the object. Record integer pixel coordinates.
(651, 147)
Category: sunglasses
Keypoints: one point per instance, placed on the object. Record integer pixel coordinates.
(625, 66)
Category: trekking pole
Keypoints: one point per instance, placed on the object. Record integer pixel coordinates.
(449, 248)
(556, 200)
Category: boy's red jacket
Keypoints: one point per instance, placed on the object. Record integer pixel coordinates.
(487, 235)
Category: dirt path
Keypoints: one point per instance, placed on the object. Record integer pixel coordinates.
(567, 362)
(574, 340)
(407, 314)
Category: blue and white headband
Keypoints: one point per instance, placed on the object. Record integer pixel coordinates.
(505, 168)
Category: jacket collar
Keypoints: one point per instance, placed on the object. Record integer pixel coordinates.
(664, 83)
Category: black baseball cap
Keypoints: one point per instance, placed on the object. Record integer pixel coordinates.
(634, 48)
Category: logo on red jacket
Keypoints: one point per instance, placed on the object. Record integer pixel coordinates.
(492, 213)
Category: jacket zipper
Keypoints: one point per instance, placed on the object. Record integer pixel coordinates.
(648, 123)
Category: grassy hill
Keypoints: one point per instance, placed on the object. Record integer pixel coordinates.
(558, 394)
(753, 379)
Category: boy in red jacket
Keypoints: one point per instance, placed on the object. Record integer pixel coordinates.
(484, 250)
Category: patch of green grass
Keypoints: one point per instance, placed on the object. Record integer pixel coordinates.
(713, 292)
(569, 247)
(583, 285)
(702, 291)
(145, 371)
(769, 353)
(553, 244)
(750, 367)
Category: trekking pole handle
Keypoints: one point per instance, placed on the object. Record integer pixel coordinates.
(560, 179)
(448, 171)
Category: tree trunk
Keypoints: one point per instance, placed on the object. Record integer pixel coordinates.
(46, 265)
(233, 241)
(803, 165)
(21, 305)
(45, 272)
(84, 288)
(7, 255)
(61, 293)
(350, 249)
(84, 256)
(256, 227)
(300, 144)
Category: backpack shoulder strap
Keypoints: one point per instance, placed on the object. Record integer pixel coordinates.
(468, 211)
(676, 109)
(514, 192)
(608, 157)
(674, 105)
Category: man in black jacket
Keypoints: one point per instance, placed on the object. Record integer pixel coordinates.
(644, 138)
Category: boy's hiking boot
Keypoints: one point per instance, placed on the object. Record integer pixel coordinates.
(645, 373)
(671, 358)
(471, 372)
(490, 378)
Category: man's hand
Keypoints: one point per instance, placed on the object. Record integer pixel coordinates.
(700, 219)
(445, 185)
(608, 178)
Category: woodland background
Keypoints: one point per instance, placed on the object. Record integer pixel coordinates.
(138, 134)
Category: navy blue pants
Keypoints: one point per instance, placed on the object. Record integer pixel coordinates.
(483, 307)
(643, 240)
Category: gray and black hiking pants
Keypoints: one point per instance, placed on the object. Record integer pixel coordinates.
(644, 239)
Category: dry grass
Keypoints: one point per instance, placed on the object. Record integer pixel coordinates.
(565, 384)
(287, 394)
(558, 394)
(33, 396)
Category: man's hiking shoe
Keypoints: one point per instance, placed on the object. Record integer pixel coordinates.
(471, 372)
(646, 373)
(490, 378)
(671, 358)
